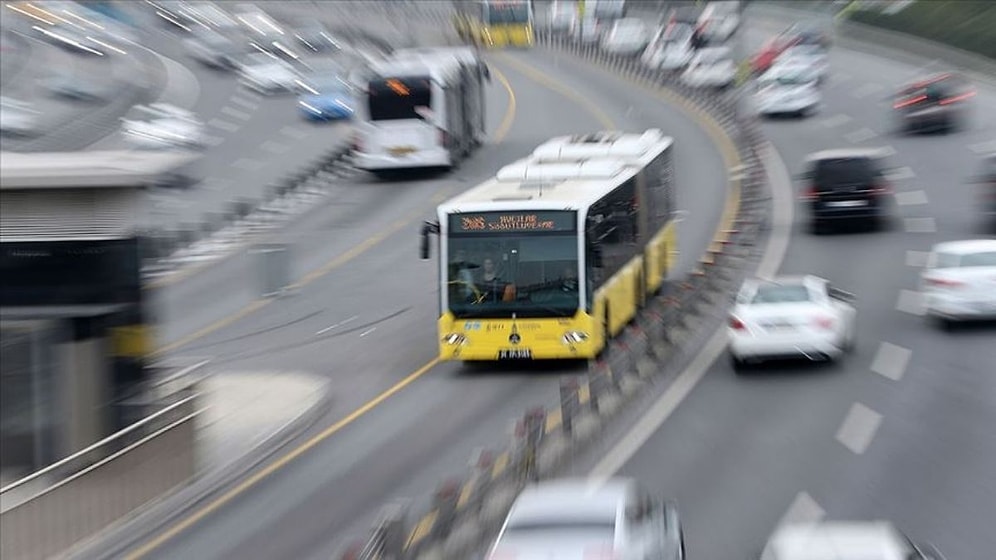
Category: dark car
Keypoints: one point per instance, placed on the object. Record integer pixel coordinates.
(847, 185)
(935, 103)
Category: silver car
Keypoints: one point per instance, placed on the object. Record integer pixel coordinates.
(574, 519)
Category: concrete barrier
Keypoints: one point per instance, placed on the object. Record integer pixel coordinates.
(656, 344)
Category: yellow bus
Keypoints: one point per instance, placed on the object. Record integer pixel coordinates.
(554, 255)
(495, 23)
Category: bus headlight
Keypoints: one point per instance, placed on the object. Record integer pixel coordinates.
(575, 337)
(455, 339)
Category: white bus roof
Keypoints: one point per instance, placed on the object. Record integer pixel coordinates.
(606, 144)
(99, 169)
(437, 68)
(464, 54)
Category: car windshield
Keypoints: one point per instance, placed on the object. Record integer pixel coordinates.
(982, 258)
(512, 13)
(780, 293)
(590, 530)
(495, 274)
(831, 173)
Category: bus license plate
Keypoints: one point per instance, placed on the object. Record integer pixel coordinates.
(399, 151)
(515, 354)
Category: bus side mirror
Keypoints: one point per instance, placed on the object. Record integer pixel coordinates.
(427, 228)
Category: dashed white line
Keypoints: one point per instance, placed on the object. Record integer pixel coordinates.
(274, 147)
(836, 120)
(859, 427)
(368, 331)
(891, 361)
(231, 112)
(901, 174)
(920, 225)
(339, 324)
(860, 135)
(911, 198)
(247, 164)
(917, 259)
(983, 147)
(910, 302)
(866, 90)
(294, 132)
(244, 103)
(224, 125)
(803, 509)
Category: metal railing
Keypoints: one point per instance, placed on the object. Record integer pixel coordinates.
(84, 493)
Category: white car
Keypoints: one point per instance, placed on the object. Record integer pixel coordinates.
(627, 36)
(17, 118)
(569, 519)
(790, 317)
(719, 21)
(671, 49)
(812, 57)
(161, 125)
(845, 540)
(267, 74)
(711, 67)
(787, 89)
(959, 281)
(587, 30)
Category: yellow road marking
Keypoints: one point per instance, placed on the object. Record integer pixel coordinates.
(506, 122)
(216, 504)
(466, 493)
(553, 420)
(584, 393)
(422, 528)
(501, 463)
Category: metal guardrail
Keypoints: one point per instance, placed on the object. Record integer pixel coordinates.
(89, 490)
(466, 510)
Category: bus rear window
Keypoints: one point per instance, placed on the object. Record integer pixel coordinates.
(398, 98)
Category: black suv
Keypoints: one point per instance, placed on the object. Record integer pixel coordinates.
(847, 185)
(935, 103)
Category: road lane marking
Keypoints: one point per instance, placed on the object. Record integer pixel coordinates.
(858, 429)
(911, 198)
(866, 90)
(860, 135)
(248, 164)
(224, 125)
(232, 112)
(891, 361)
(294, 132)
(368, 331)
(506, 122)
(984, 148)
(920, 225)
(803, 509)
(917, 259)
(911, 302)
(248, 104)
(217, 503)
(836, 120)
(339, 324)
(900, 174)
(274, 147)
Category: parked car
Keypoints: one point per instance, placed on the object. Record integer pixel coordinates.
(845, 540)
(811, 57)
(568, 519)
(787, 89)
(719, 21)
(849, 184)
(959, 281)
(711, 67)
(587, 30)
(790, 317)
(938, 102)
(161, 125)
(562, 16)
(627, 36)
(670, 49)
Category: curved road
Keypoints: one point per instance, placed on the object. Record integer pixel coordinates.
(902, 428)
(367, 319)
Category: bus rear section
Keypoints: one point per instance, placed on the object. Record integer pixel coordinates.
(504, 23)
(401, 130)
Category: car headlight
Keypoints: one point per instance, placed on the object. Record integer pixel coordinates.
(455, 339)
(574, 337)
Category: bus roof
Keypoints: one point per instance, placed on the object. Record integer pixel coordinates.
(463, 54)
(98, 169)
(438, 68)
(572, 182)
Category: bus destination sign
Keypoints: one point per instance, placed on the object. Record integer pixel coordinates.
(512, 222)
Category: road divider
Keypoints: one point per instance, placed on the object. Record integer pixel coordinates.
(466, 511)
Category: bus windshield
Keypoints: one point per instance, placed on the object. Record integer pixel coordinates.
(506, 13)
(398, 98)
(530, 274)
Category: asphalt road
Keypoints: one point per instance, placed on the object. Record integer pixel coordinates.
(901, 429)
(369, 324)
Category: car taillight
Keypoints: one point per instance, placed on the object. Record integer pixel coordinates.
(881, 187)
(811, 193)
(825, 323)
(737, 324)
(943, 283)
(910, 101)
(957, 98)
(357, 144)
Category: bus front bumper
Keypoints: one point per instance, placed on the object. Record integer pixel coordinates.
(422, 158)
